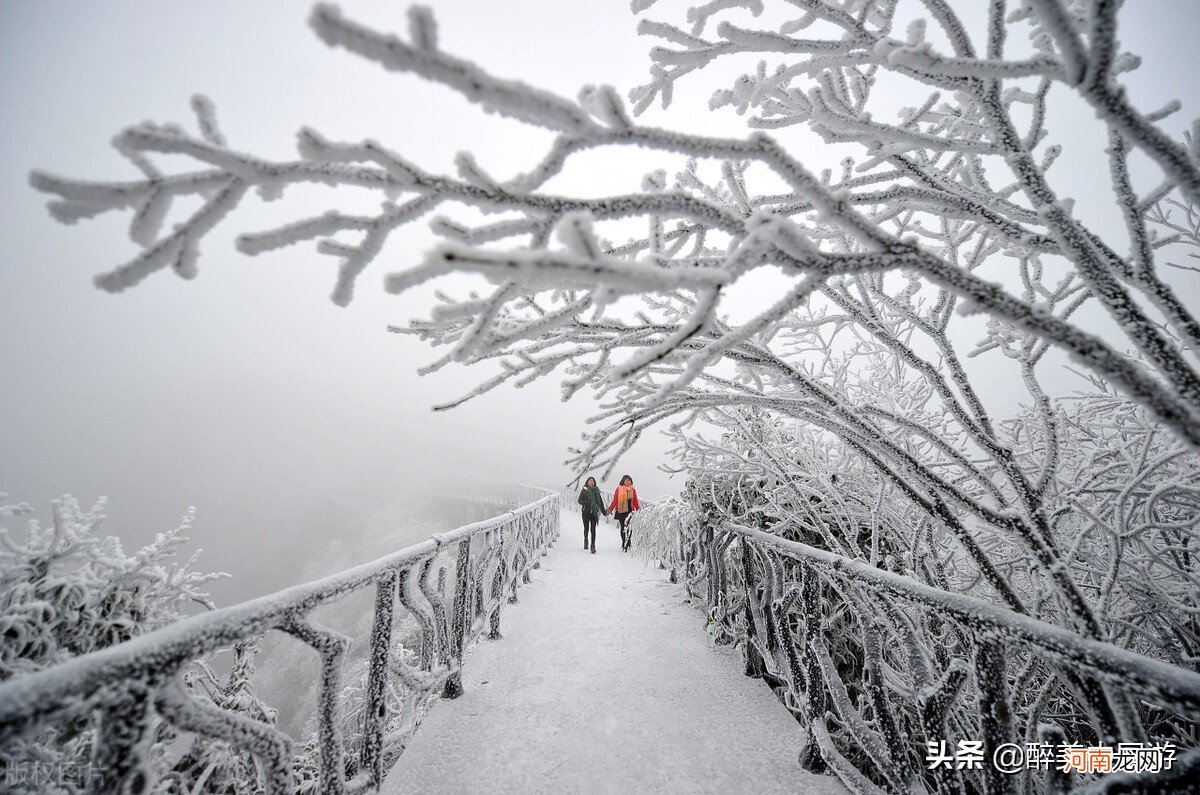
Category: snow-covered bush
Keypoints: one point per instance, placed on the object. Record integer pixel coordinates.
(153, 712)
(67, 590)
(858, 399)
(661, 525)
(213, 765)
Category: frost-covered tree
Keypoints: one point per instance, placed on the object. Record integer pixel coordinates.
(851, 403)
(974, 157)
(66, 590)
(211, 765)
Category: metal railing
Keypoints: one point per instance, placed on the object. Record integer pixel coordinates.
(877, 665)
(453, 585)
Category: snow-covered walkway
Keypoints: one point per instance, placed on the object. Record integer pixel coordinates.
(604, 682)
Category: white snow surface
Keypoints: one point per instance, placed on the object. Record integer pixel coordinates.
(605, 682)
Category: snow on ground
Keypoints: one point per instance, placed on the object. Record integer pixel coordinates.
(605, 682)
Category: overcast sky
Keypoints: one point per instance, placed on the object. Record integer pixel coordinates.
(246, 392)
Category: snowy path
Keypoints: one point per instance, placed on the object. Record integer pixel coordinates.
(604, 682)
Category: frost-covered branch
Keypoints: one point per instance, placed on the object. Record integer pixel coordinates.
(933, 159)
(854, 408)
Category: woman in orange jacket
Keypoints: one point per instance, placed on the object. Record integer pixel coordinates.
(624, 503)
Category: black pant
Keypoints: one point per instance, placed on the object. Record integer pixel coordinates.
(590, 520)
(626, 531)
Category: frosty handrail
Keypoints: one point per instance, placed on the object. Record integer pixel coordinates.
(1106, 659)
(123, 680)
(43, 692)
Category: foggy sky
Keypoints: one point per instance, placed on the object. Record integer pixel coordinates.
(246, 393)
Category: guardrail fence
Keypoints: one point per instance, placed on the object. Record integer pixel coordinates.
(881, 667)
(453, 587)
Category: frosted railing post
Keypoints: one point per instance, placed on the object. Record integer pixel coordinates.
(523, 532)
(858, 730)
(1093, 696)
(695, 562)
(512, 600)
(409, 598)
(804, 668)
(699, 567)
(122, 734)
(681, 554)
(810, 622)
(803, 687)
(441, 630)
(990, 682)
(542, 534)
(531, 553)
(718, 613)
(934, 702)
(874, 685)
(375, 711)
(458, 627)
(518, 558)
(332, 647)
(1128, 720)
(1056, 781)
(498, 598)
(767, 597)
(750, 654)
(507, 573)
(805, 680)
(727, 575)
(479, 605)
(706, 562)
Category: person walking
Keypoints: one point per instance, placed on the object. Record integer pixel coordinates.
(624, 503)
(592, 504)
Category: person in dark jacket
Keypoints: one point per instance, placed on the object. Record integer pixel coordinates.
(591, 502)
(624, 503)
